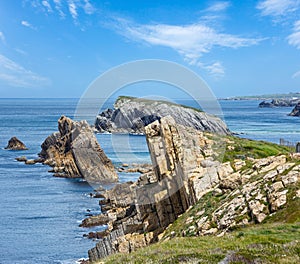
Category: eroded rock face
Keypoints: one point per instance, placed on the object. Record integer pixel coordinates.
(131, 115)
(296, 110)
(74, 151)
(183, 171)
(15, 144)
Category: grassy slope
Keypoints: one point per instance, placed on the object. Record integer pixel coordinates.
(277, 240)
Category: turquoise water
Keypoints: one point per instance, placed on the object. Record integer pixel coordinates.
(40, 214)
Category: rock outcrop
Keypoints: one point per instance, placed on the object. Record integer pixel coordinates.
(15, 144)
(131, 115)
(74, 151)
(296, 110)
(280, 103)
(185, 171)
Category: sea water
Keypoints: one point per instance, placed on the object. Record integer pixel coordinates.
(40, 214)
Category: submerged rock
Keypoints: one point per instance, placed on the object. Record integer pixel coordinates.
(296, 110)
(15, 144)
(131, 115)
(74, 151)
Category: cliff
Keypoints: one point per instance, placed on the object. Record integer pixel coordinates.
(188, 169)
(74, 151)
(131, 115)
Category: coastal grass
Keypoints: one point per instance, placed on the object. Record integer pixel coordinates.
(149, 102)
(266, 243)
(246, 148)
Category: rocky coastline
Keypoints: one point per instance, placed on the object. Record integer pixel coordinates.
(296, 110)
(185, 170)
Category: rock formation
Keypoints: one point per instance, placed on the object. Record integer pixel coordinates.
(185, 170)
(279, 103)
(15, 144)
(296, 110)
(74, 151)
(131, 115)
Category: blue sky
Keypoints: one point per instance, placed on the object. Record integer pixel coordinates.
(56, 48)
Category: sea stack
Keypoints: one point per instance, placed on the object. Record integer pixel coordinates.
(74, 152)
(15, 144)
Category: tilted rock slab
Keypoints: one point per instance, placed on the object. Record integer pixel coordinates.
(74, 151)
(131, 115)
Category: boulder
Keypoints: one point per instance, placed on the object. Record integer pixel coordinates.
(15, 144)
(74, 151)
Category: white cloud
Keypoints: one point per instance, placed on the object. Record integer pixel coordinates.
(218, 7)
(191, 41)
(278, 7)
(13, 74)
(294, 38)
(59, 8)
(47, 5)
(2, 37)
(73, 9)
(88, 8)
(296, 75)
(27, 24)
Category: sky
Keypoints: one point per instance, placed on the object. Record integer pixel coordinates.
(56, 48)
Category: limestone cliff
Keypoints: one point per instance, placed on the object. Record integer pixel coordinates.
(74, 151)
(131, 115)
(185, 170)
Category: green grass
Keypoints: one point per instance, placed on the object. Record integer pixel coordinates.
(268, 243)
(149, 101)
(244, 148)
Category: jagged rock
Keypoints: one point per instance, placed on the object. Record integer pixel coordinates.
(131, 115)
(73, 152)
(184, 170)
(296, 110)
(15, 144)
(279, 103)
(95, 220)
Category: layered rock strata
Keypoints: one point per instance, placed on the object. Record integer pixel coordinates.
(74, 151)
(131, 115)
(185, 171)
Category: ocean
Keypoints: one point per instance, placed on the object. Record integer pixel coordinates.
(40, 214)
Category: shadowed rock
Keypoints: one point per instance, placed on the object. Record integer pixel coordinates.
(75, 152)
(15, 144)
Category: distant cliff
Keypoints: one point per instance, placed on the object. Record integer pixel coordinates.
(131, 115)
(279, 103)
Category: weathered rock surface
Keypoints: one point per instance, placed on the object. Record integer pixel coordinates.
(74, 151)
(184, 171)
(139, 211)
(15, 144)
(280, 103)
(131, 115)
(296, 110)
